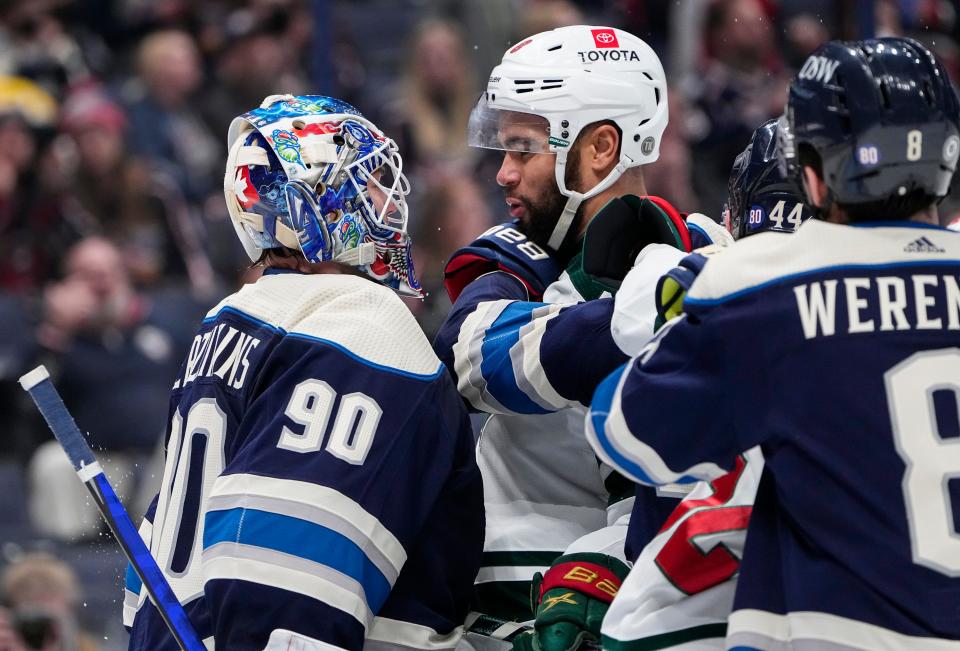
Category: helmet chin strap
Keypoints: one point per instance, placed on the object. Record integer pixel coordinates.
(574, 199)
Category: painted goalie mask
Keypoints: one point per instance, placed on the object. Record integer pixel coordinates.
(311, 174)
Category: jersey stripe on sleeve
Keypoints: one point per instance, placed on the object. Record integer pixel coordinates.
(133, 585)
(498, 358)
(612, 440)
(300, 537)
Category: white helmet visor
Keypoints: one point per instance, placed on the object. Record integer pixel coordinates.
(493, 128)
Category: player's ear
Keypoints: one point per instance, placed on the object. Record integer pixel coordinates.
(813, 187)
(604, 146)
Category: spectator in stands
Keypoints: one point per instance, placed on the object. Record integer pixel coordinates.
(114, 353)
(437, 91)
(42, 595)
(669, 176)
(549, 14)
(165, 126)
(254, 60)
(132, 200)
(33, 233)
(741, 84)
(491, 26)
(802, 33)
(41, 46)
(450, 214)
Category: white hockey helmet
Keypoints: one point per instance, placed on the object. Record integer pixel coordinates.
(307, 172)
(565, 80)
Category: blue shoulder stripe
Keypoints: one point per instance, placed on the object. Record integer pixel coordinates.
(599, 410)
(380, 367)
(298, 538)
(243, 315)
(496, 366)
(699, 237)
(899, 223)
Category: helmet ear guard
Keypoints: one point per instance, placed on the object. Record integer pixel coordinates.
(250, 226)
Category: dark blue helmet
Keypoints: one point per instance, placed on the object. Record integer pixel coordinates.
(760, 195)
(882, 116)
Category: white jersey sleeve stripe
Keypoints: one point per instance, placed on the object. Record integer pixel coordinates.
(284, 640)
(810, 630)
(323, 506)
(131, 604)
(235, 565)
(390, 633)
(612, 440)
(525, 356)
(492, 574)
(134, 595)
(467, 356)
(315, 513)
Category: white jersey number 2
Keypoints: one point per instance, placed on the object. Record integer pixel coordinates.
(931, 460)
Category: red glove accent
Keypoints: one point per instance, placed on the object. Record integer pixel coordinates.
(589, 578)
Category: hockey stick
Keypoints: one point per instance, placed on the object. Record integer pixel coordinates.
(37, 383)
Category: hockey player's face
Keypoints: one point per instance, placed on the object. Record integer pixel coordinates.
(528, 179)
(378, 197)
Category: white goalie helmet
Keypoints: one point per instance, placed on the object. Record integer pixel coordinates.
(558, 82)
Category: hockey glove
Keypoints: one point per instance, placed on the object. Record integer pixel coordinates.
(502, 248)
(706, 232)
(623, 227)
(570, 601)
(673, 285)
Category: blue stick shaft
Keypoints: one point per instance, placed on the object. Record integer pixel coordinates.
(37, 383)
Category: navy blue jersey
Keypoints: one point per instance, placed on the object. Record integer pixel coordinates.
(320, 483)
(837, 350)
(521, 357)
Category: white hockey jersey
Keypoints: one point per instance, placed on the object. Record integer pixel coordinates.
(679, 593)
(534, 366)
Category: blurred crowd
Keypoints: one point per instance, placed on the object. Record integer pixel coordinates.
(114, 236)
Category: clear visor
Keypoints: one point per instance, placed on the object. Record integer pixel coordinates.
(786, 148)
(493, 128)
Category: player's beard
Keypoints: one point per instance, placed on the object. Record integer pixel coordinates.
(544, 213)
